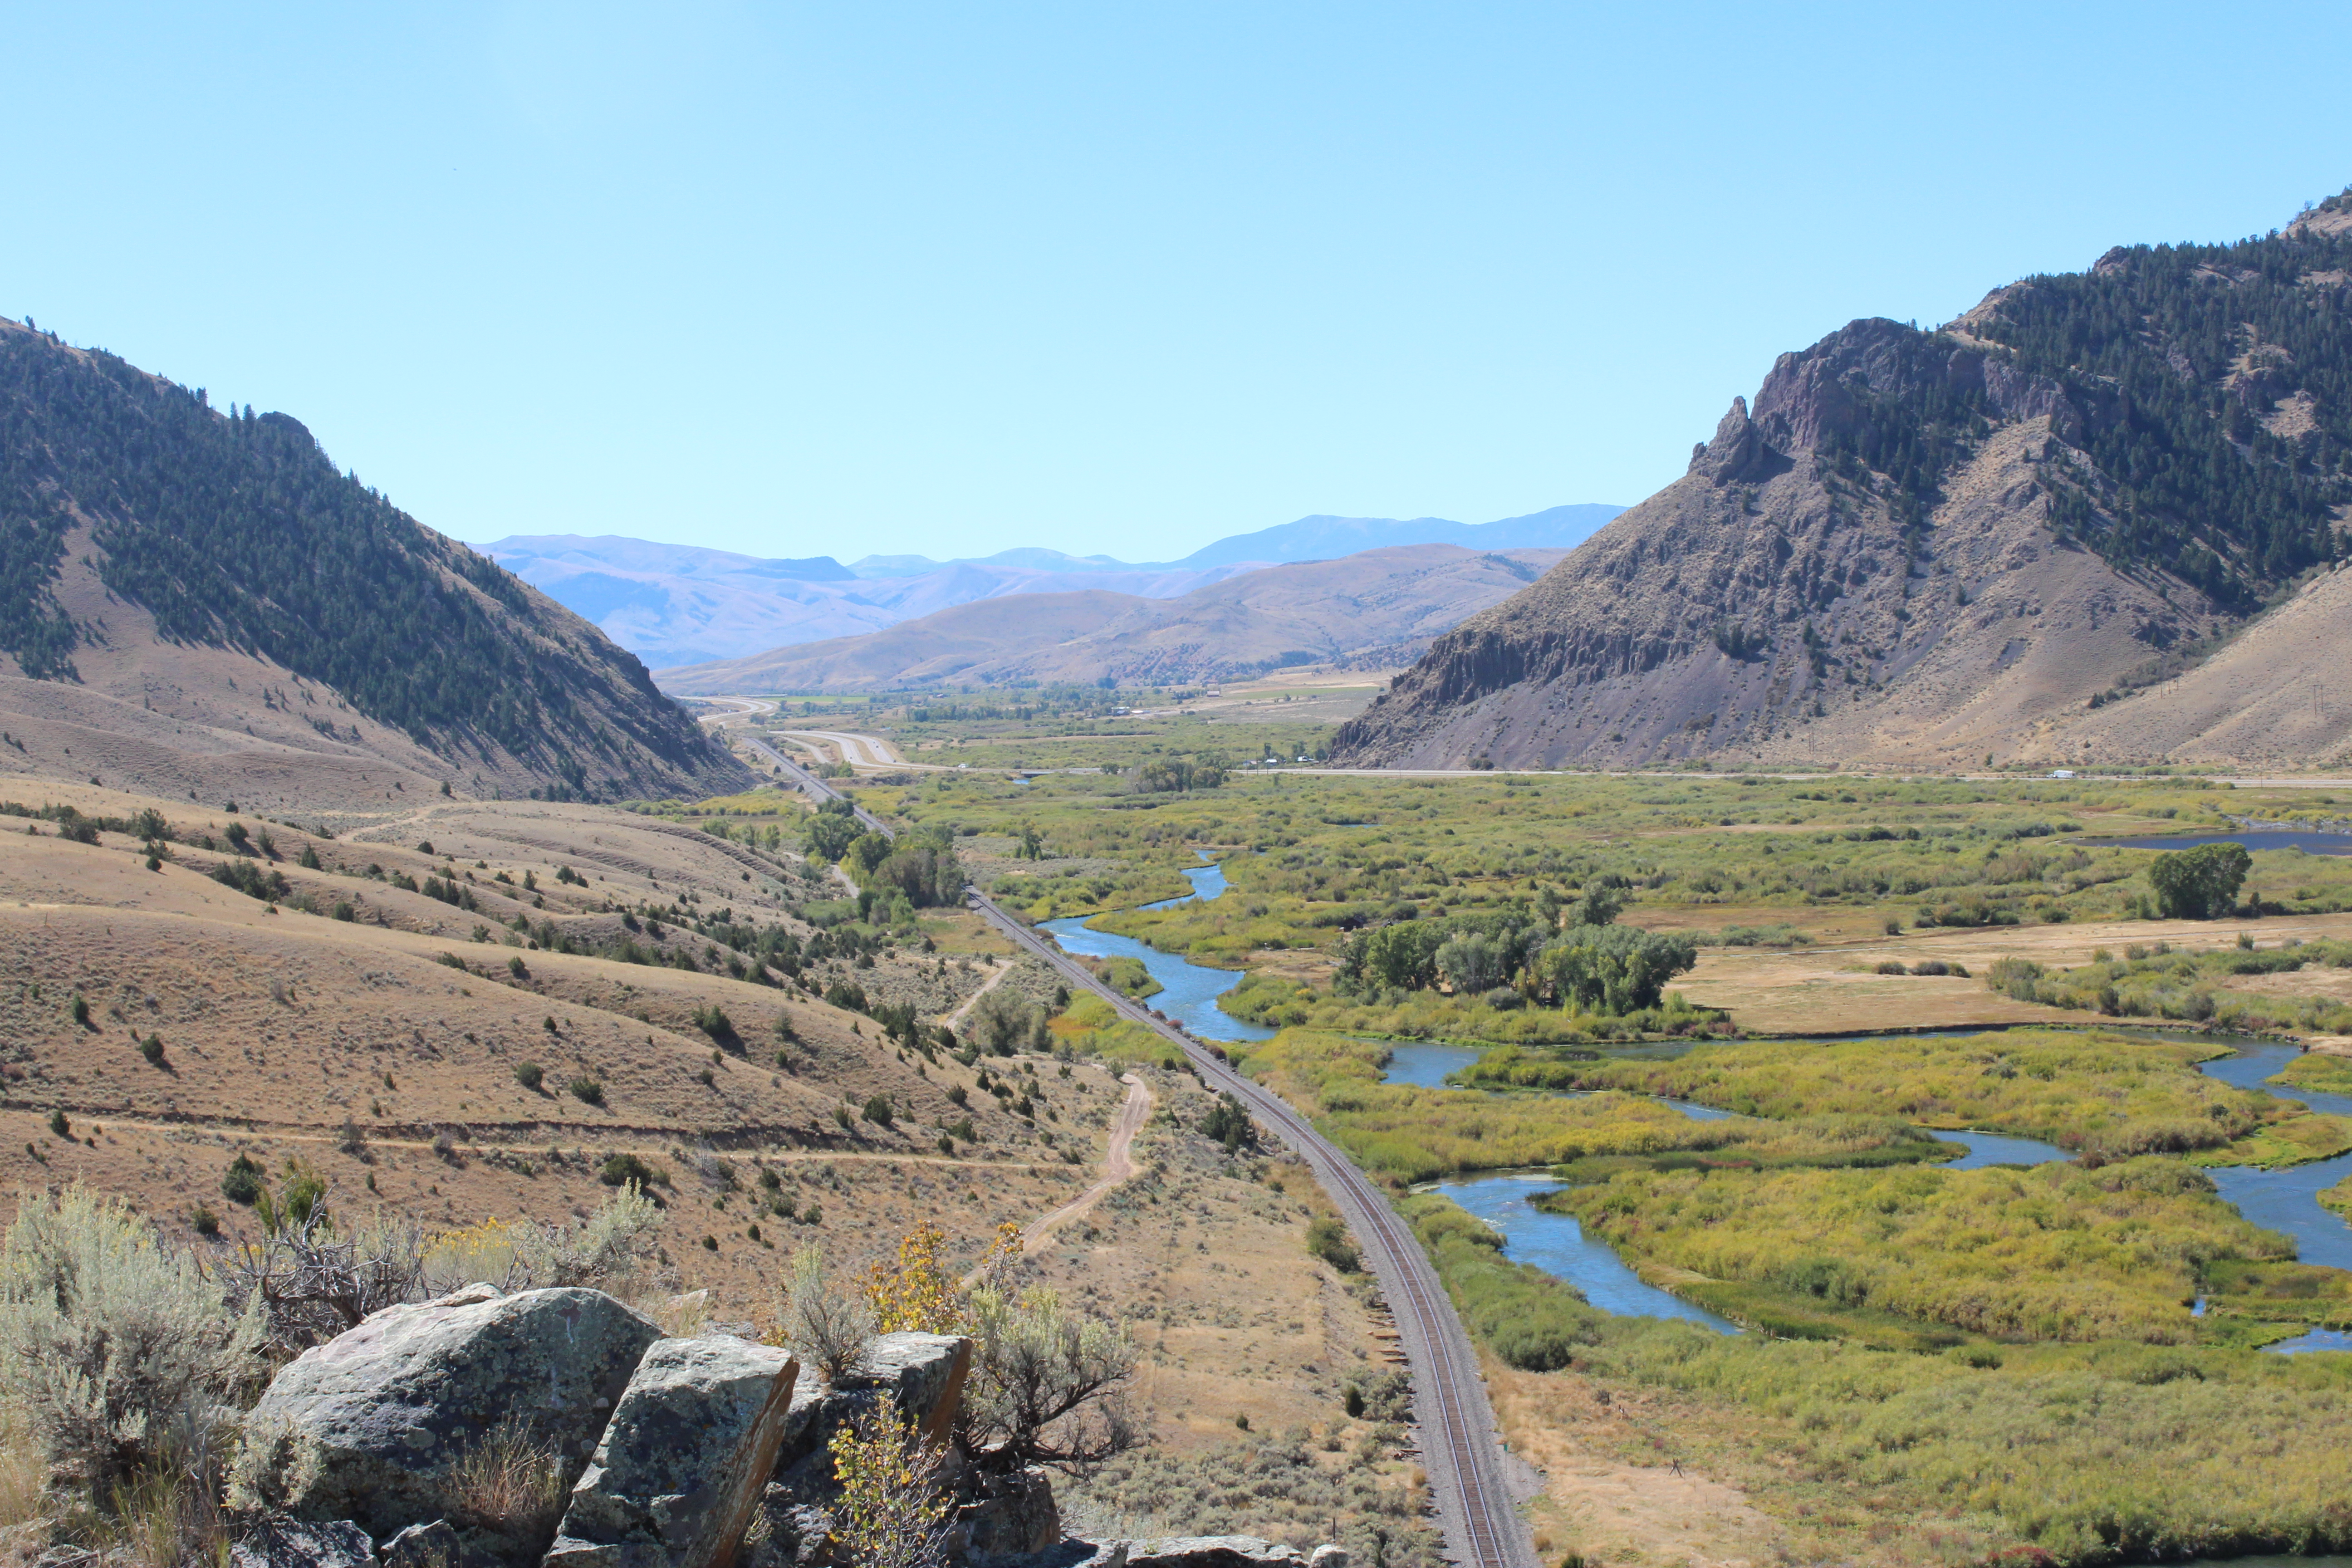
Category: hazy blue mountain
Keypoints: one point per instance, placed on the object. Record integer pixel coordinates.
(1318, 537)
(676, 605)
(1328, 538)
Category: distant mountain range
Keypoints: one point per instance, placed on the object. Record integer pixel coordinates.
(1372, 609)
(676, 605)
(2101, 517)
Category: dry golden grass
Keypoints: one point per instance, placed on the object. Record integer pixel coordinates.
(281, 1028)
(1831, 987)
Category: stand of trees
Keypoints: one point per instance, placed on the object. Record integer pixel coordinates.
(1563, 955)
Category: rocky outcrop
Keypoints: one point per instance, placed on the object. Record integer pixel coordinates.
(921, 1375)
(300, 1543)
(673, 1447)
(1223, 1552)
(1013, 1516)
(380, 1414)
(681, 1467)
(433, 1545)
(1921, 548)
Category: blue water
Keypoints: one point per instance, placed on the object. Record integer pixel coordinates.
(1189, 991)
(1994, 1148)
(2283, 1200)
(2311, 843)
(1555, 1242)
(2286, 1200)
(1428, 1066)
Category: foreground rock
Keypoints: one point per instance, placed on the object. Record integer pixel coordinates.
(296, 1543)
(1012, 1516)
(378, 1416)
(682, 1466)
(433, 1545)
(1221, 1551)
(922, 1375)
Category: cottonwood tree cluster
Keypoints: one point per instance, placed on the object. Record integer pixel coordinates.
(1572, 954)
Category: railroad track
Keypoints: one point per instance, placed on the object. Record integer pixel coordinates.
(1460, 1451)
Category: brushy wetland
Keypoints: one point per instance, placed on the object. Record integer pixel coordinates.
(2063, 1362)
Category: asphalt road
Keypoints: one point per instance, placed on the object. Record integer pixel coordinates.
(1460, 1450)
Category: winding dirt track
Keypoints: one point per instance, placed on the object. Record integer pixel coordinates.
(1119, 1166)
(1459, 1447)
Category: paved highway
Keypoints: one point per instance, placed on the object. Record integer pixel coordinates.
(1459, 1448)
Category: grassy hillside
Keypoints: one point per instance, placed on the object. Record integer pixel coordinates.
(236, 532)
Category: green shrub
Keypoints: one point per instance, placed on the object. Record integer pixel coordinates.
(1327, 1238)
(531, 1075)
(243, 1182)
(620, 1170)
(2201, 883)
(111, 1337)
(586, 1089)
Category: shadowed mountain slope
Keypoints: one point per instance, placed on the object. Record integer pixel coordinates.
(1999, 538)
(199, 599)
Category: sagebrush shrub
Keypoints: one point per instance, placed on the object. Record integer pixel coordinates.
(112, 1341)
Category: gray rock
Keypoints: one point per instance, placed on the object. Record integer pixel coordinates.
(303, 1543)
(1015, 1516)
(682, 1466)
(432, 1545)
(1070, 1554)
(924, 1373)
(1328, 1556)
(387, 1407)
(1211, 1551)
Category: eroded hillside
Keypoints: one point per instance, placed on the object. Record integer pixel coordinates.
(1926, 548)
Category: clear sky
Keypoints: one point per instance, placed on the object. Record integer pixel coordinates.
(1115, 278)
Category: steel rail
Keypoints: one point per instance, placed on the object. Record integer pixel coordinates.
(1459, 1452)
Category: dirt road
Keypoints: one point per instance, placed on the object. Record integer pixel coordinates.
(1118, 1166)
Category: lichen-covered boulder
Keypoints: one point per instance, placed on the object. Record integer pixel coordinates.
(301, 1543)
(922, 1374)
(1212, 1552)
(680, 1469)
(1013, 1516)
(433, 1545)
(379, 1413)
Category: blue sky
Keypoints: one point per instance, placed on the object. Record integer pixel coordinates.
(1116, 277)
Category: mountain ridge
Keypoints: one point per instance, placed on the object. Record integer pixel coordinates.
(156, 550)
(682, 604)
(1932, 548)
(1376, 608)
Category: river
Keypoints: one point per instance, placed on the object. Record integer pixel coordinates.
(1189, 991)
(2284, 1200)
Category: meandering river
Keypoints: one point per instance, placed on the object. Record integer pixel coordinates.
(2283, 1200)
(1189, 991)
